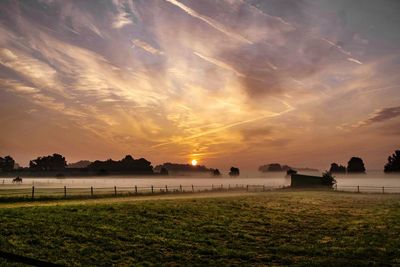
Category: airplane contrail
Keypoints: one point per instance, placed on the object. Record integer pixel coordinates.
(209, 21)
(227, 126)
(219, 64)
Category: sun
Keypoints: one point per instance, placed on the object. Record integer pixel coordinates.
(194, 162)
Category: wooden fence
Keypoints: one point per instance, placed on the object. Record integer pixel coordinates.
(367, 189)
(35, 192)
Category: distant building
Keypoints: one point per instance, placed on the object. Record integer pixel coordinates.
(300, 180)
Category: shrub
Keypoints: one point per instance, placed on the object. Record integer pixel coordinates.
(328, 179)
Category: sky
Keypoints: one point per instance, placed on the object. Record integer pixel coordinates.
(229, 82)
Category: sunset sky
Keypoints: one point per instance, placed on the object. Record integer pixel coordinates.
(227, 82)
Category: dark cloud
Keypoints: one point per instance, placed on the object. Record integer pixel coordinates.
(383, 115)
(263, 137)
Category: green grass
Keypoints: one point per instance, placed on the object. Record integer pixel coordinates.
(274, 228)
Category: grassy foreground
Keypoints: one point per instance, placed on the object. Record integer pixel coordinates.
(273, 228)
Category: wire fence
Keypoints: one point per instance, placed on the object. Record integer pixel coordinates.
(367, 189)
(35, 192)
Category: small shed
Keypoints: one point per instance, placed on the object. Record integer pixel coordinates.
(300, 180)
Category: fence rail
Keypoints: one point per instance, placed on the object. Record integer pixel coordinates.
(367, 189)
(35, 192)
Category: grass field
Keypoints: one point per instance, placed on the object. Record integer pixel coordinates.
(272, 228)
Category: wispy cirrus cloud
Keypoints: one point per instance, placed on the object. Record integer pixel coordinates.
(146, 47)
(189, 78)
(122, 18)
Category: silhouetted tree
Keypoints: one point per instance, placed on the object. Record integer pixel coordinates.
(126, 165)
(60, 175)
(102, 172)
(355, 165)
(80, 164)
(328, 179)
(128, 159)
(164, 171)
(234, 172)
(7, 164)
(274, 167)
(393, 164)
(177, 167)
(55, 162)
(290, 172)
(336, 168)
(216, 173)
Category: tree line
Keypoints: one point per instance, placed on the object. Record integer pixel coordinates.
(356, 165)
(58, 163)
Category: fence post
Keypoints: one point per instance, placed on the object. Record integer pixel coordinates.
(192, 188)
(263, 188)
(91, 191)
(180, 186)
(115, 190)
(152, 189)
(383, 190)
(33, 192)
(212, 186)
(229, 186)
(222, 186)
(247, 187)
(358, 189)
(65, 191)
(166, 188)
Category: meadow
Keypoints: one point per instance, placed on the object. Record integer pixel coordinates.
(254, 229)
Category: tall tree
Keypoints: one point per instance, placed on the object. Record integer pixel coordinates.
(275, 167)
(393, 164)
(234, 172)
(216, 172)
(55, 162)
(7, 164)
(336, 168)
(355, 165)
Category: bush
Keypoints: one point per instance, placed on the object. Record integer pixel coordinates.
(328, 179)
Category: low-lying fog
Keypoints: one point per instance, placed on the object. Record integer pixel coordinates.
(375, 179)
